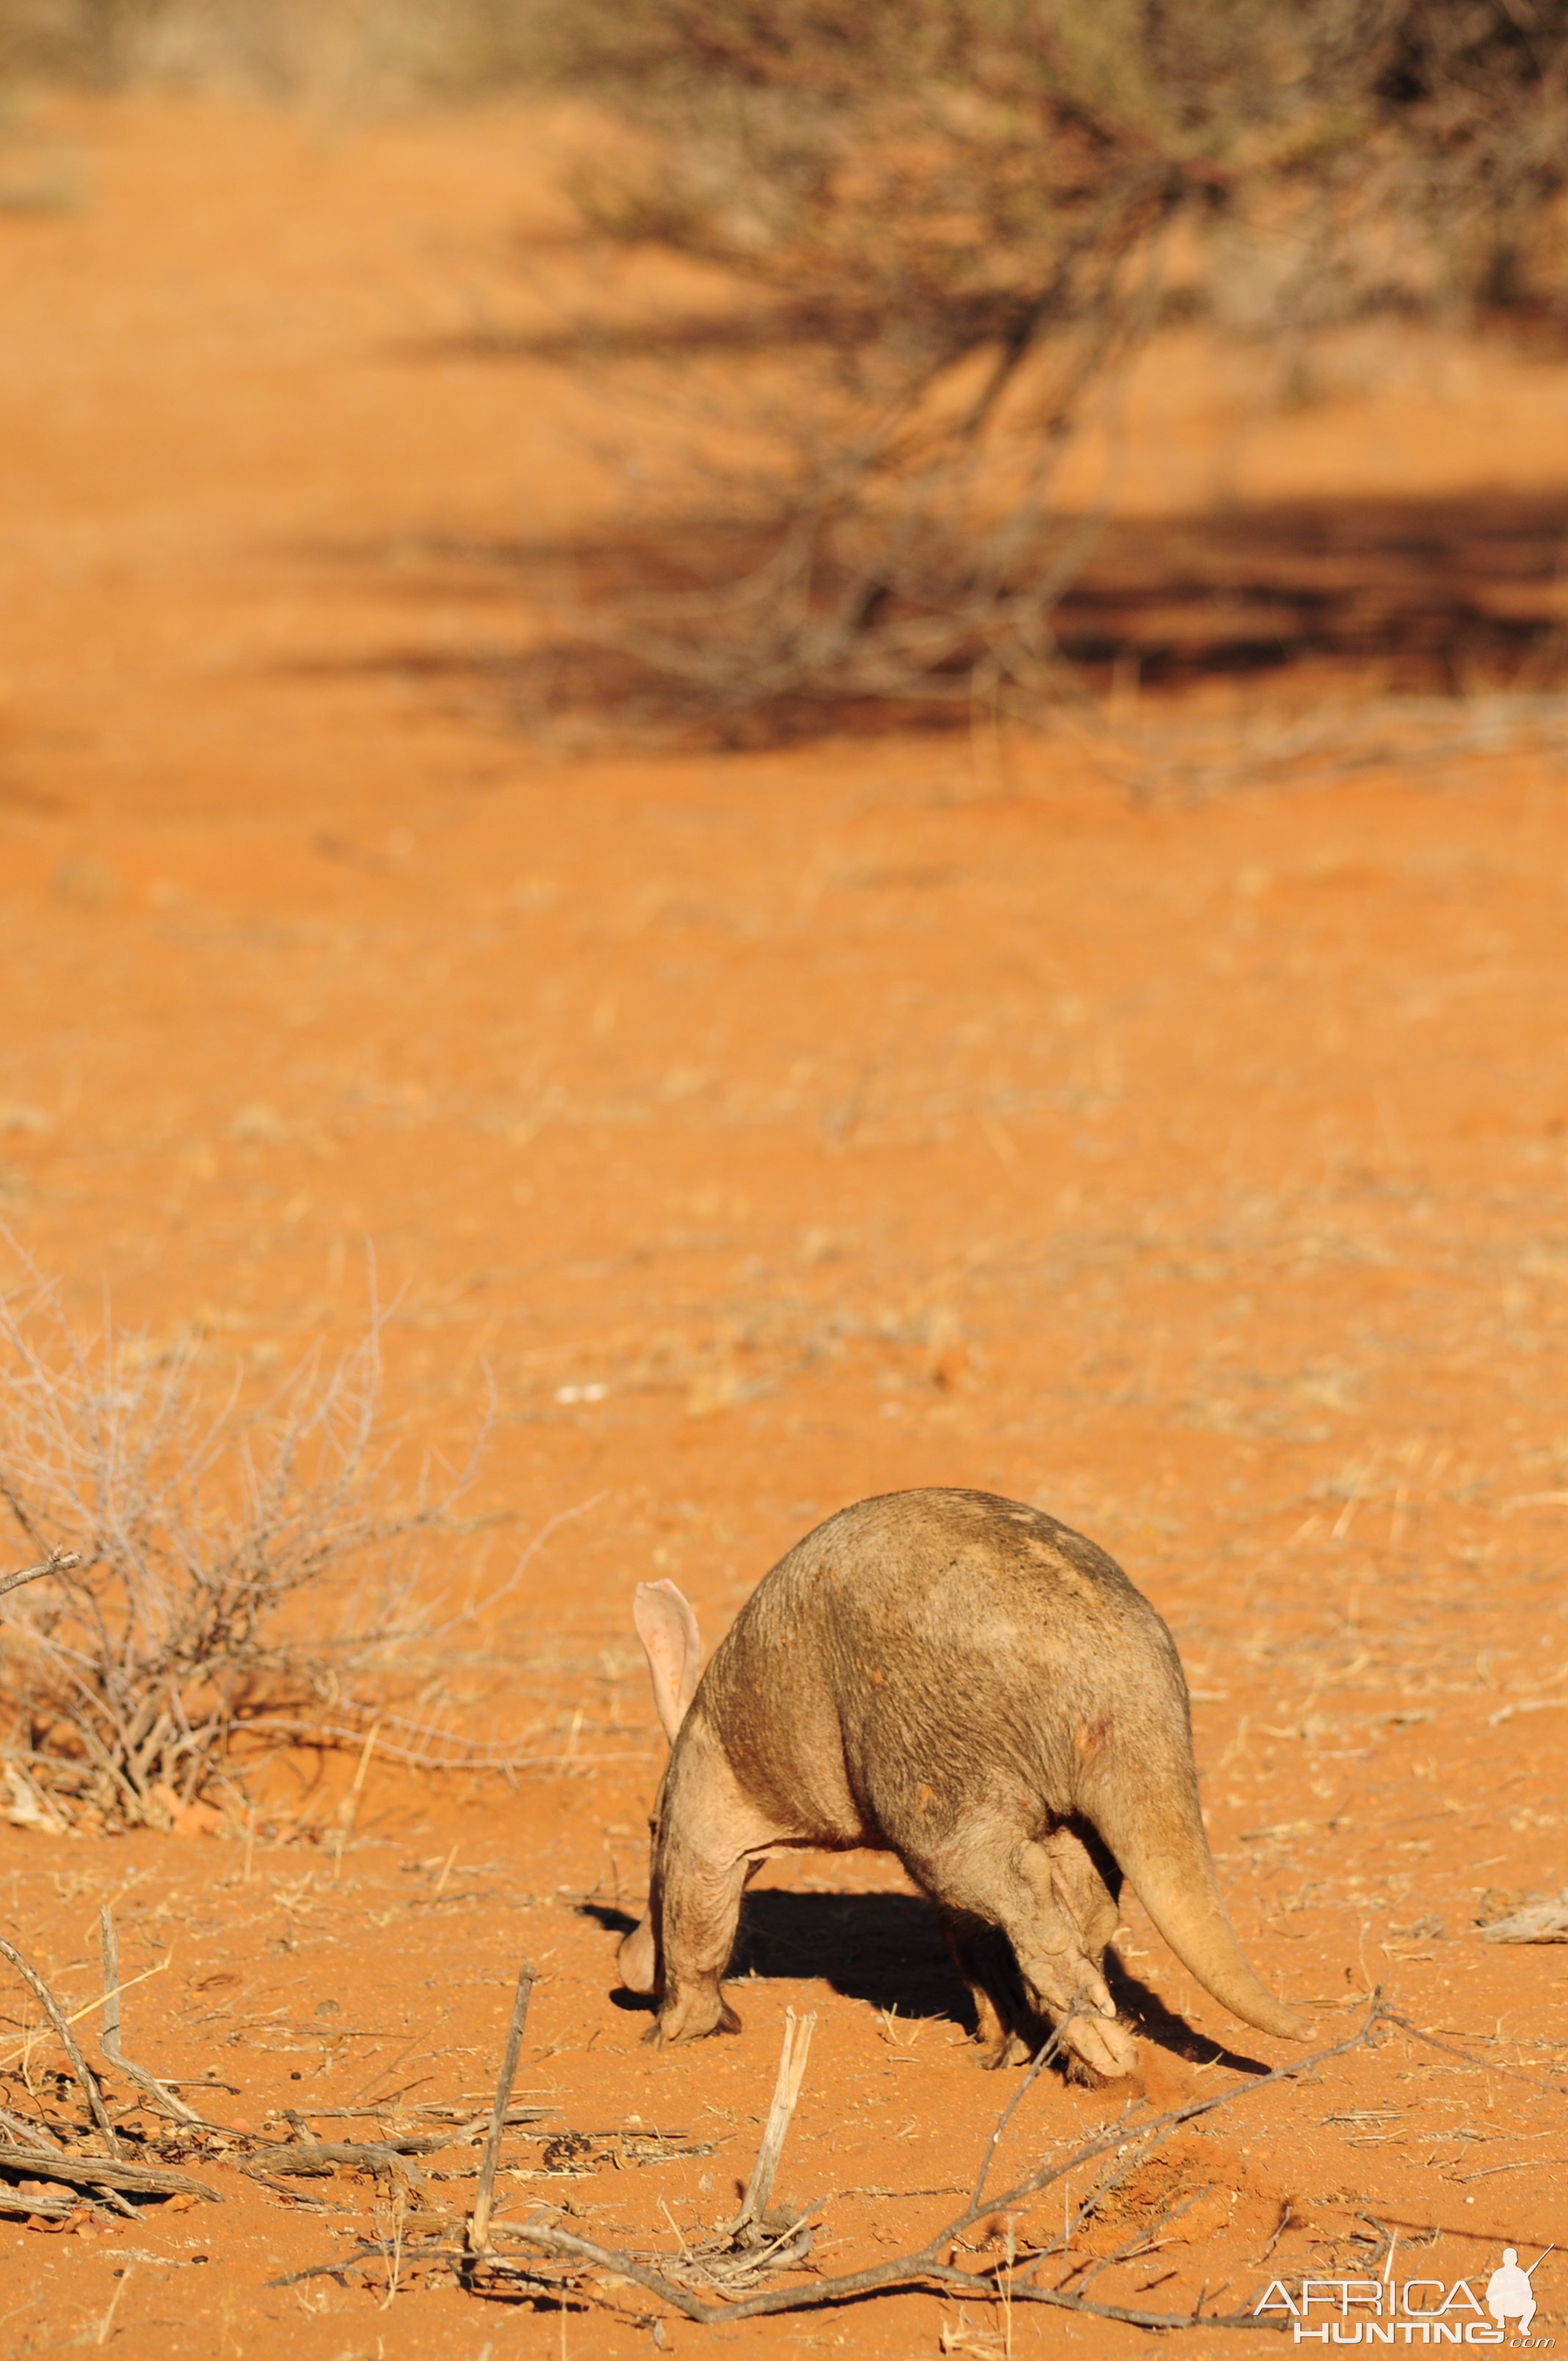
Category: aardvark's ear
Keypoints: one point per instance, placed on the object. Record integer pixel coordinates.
(667, 1628)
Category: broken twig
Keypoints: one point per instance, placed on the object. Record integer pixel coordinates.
(56, 2015)
(161, 2094)
(750, 2223)
(57, 1562)
(479, 2220)
(100, 2172)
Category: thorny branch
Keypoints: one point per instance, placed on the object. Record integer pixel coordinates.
(1042, 2059)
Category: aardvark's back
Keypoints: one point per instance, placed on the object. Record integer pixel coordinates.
(945, 1644)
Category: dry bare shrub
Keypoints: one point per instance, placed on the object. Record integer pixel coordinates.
(964, 213)
(234, 1563)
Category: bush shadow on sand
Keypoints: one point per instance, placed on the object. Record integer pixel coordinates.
(1446, 597)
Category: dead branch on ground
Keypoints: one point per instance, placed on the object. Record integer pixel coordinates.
(1536, 1922)
(312, 2159)
(926, 2266)
(493, 2275)
(79, 2066)
(717, 2279)
(104, 2172)
(30, 2153)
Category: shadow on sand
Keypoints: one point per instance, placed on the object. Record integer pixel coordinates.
(885, 1949)
(1445, 597)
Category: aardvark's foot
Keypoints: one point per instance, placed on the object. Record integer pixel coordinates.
(1012, 2049)
(1098, 2049)
(691, 2020)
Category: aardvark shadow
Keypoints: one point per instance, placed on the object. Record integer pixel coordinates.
(886, 1949)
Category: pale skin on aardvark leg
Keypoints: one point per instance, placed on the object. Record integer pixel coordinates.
(701, 1875)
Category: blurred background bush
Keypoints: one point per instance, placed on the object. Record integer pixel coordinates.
(373, 51)
(949, 224)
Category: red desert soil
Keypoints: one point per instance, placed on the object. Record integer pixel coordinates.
(777, 1129)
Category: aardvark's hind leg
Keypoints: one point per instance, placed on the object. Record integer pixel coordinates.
(1083, 1890)
(984, 1958)
(1005, 1877)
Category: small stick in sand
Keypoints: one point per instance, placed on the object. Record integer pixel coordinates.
(158, 2092)
(797, 2036)
(479, 2220)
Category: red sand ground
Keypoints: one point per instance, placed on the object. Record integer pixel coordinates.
(852, 1118)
